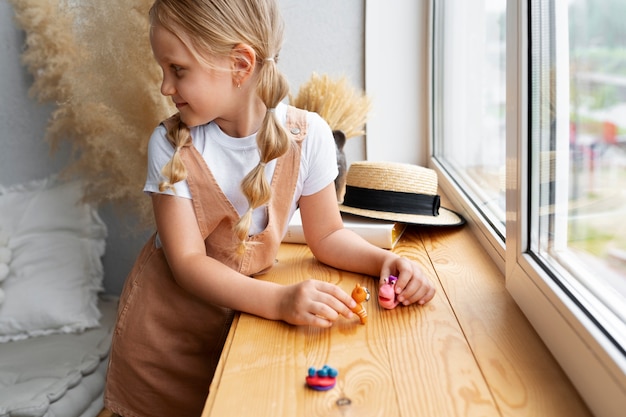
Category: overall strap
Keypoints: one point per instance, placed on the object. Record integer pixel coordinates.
(259, 257)
(296, 123)
(216, 216)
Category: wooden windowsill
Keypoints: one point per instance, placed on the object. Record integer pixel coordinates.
(470, 351)
(523, 377)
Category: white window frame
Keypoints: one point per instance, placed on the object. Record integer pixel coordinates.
(593, 363)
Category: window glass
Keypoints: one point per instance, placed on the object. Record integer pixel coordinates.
(578, 153)
(469, 76)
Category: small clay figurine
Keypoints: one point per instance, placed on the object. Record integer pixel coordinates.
(360, 295)
(321, 379)
(387, 293)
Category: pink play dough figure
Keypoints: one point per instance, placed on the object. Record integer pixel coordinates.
(387, 293)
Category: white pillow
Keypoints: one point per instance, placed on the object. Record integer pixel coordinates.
(55, 270)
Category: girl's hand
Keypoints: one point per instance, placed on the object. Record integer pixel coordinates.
(412, 285)
(314, 303)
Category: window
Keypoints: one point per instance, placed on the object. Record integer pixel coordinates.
(470, 100)
(559, 128)
(578, 155)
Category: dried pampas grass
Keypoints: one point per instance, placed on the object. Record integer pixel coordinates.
(93, 59)
(336, 101)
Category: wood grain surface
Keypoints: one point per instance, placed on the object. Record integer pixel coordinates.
(469, 352)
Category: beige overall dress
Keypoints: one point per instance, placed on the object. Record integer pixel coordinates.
(167, 342)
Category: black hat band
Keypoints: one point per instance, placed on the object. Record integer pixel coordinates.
(391, 201)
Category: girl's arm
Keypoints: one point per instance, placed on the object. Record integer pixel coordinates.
(311, 302)
(341, 248)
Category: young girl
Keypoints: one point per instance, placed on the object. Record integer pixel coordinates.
(225, 175)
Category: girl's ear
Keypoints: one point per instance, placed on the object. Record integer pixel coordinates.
(243, 63)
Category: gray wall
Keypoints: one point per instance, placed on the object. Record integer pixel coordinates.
(323, 36)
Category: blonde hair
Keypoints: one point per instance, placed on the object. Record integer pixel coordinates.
(214, 28)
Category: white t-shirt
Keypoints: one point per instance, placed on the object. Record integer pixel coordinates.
(230, 159)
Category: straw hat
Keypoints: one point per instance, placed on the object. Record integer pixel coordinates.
(396, 191)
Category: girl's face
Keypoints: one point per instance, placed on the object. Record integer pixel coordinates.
(200, 93)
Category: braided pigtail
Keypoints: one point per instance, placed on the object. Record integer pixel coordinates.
(178, 133)
(214, 28)
(272, 140)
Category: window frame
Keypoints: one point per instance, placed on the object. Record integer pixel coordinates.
(592, 362)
